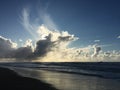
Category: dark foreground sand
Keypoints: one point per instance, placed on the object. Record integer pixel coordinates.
(10, 80)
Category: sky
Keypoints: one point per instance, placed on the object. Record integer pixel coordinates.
(83, 30)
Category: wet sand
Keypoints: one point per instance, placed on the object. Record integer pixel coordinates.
(10, 80)
(67, 81)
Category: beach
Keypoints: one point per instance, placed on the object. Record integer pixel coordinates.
(10, 80)
(68, 81)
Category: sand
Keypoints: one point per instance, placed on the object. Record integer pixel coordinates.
(10, 80)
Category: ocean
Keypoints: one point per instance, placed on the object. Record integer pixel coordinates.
(72, 75)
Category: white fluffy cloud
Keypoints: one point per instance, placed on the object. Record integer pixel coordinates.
(96, 40)
(118, 37)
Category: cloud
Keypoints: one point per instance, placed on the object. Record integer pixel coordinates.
(52, 45)
(50, 38)
(9, 49)
(25, 21)
(31, 27)
(43, 46)
(118, 37)
(22, 53)
(20, 40)
(25, 51)
(47, 20)
(96, 40)
(48, 50)
(97, 49)
(28, 43)
(52, 41)
(6, 47)
(44, 31)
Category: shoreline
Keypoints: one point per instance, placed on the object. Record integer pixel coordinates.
(10, 80)
(67, 81)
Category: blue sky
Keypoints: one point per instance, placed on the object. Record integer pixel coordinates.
(89, 20)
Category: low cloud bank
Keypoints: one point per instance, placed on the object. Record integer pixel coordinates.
(53, 46)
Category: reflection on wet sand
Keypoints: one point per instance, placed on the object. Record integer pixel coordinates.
(66, 81)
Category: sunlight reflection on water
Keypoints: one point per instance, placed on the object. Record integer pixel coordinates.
(66, 81)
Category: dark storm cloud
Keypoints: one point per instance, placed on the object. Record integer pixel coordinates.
(65, 38)
(8, 49)
(43, 46)
(23, 52)
(97, 49)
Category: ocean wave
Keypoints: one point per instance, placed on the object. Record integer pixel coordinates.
(105, 70)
